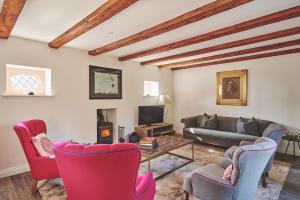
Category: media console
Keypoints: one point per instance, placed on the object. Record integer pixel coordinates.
(154, 130)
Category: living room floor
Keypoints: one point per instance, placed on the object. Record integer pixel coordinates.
(18, 187)
(290, 189)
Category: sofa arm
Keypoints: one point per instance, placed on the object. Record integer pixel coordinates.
(190, 121)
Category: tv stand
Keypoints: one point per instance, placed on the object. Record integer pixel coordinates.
(154, 130)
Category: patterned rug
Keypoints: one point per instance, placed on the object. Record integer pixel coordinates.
(170, 187)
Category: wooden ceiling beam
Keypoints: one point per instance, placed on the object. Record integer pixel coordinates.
(235, 53)
(182, 20)
(239, 59)
(238, 43)
(10, 12)
(100, 15)
(254, 23)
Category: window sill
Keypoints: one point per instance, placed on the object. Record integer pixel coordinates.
(11, 95)
(150, 95)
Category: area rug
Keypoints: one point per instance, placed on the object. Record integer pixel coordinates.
(170, 187)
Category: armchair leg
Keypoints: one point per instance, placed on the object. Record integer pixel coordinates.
(263, 180)
(34, 188)
(187, 195)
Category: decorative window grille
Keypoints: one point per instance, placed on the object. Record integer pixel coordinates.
(23, 80)
(25, 83)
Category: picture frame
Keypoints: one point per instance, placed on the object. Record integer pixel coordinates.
(105, 83)
(232, 87)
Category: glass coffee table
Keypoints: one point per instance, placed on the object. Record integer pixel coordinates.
(166, 144)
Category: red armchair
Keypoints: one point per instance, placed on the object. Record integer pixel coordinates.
(107, 172)
(40, 167)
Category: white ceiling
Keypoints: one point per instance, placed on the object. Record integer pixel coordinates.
(44, 20)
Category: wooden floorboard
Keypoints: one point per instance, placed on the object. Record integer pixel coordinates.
(7, 189)
(290, 189)
(17, 187)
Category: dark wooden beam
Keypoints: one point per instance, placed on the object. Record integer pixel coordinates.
(182, 20)
(238, 43)
(234, 53)
(254, 23)
(10, 12)
(239, 59)
(103, 13)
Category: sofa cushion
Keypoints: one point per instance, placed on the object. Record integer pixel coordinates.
(209, 122)
(227, 124)
(247, 126)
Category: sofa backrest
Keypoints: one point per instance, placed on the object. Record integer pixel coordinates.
(228, 124)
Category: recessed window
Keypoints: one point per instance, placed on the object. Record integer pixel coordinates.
(23, 80)
(151, 88)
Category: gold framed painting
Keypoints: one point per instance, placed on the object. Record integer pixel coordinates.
(232, 87)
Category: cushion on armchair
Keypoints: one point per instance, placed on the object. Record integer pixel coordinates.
(228, 172)
(43, 145)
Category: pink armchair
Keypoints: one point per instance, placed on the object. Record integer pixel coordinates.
(107, 172)
(40, 167)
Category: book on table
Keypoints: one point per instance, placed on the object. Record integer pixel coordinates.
(148, 143)
(149, 146)
(148, 140)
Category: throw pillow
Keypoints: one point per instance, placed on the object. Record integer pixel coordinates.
(203, 121)
(43, 145)
(209, 122)
(247, 126)
(228, 172)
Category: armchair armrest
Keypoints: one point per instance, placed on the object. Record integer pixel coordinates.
(145, 186)
(244, 143)
(229, 152)
(43, 168)
(225, 162)
(207, 183)
(42, 159)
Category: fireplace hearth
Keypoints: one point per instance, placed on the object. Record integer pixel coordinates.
(104, 129)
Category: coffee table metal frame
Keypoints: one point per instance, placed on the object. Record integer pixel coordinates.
(158, 154)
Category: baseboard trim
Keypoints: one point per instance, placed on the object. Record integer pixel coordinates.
(14, 170)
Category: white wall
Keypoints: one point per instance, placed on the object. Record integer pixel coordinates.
(273, 91)
(69, 114)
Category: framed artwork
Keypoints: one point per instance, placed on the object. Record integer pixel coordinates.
(232, 87)
(105, 83)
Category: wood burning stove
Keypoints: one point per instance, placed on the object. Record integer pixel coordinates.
(104, 129)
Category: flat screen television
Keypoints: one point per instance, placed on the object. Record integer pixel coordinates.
(151, 115)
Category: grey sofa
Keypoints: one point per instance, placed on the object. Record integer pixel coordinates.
(207, 183)
(226, 134)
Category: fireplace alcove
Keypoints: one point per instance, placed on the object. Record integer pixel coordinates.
(106, 122)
